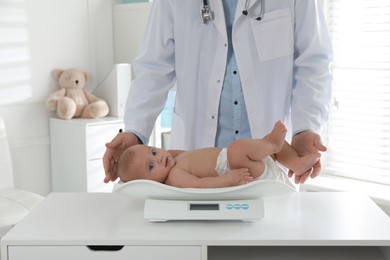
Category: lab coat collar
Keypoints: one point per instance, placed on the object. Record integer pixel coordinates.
(219, 16)
(219, 20)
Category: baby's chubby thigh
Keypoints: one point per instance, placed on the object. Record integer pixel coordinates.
(239, 159)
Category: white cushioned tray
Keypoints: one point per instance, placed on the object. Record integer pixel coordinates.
(258, 189)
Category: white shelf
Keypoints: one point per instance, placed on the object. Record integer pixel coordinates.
(77, 149)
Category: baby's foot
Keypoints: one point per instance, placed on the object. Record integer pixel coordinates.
(239, 176)
(305, 163)
(277, 136)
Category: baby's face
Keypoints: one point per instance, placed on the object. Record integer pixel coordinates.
(153, 163)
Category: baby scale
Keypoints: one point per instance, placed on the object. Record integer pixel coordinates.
(238, 203)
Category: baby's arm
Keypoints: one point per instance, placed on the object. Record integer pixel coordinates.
(183, 179)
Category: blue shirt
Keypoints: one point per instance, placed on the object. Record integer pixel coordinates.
(233, 121)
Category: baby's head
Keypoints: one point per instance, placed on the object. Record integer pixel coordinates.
(126, 167)
(144, 162)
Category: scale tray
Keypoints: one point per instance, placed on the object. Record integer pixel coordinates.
(258, 189)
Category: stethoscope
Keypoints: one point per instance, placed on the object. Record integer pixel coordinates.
(206, 14)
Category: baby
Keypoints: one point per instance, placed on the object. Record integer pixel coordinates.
(241, 162)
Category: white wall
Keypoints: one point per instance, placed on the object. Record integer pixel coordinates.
(129, 18)
(61, 34)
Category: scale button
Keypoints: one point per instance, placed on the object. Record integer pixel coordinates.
(229, 206)
(237, 206)
(244, 206)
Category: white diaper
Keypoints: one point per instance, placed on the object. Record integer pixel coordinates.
(222, 165)
(271, 172)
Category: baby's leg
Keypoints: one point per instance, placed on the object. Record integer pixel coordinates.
(302, 164)
(249, 153)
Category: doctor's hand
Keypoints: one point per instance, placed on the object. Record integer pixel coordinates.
(305, 143)
(114, 149)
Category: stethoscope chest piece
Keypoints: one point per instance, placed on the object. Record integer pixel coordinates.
(206, 14)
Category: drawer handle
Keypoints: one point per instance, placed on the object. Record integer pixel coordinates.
(106, 248)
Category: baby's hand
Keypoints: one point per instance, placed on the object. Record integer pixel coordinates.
(239, 176)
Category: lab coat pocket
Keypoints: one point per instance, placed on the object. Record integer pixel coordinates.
(177, 133)
(274, 35)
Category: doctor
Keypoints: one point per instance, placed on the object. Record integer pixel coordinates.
(239, 67)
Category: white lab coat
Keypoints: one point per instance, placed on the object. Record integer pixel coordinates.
(283, 62)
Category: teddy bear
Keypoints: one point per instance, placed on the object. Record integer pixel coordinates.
(72, 100)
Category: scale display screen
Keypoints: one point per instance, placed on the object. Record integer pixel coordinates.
(204, 206)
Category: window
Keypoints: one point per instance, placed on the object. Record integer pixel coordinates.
(359, 125)
(15, 71)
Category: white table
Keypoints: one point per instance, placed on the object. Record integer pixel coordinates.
(297, 226)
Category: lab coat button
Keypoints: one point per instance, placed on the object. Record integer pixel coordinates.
(212, 117)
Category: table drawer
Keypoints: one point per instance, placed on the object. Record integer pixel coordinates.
(104, 252)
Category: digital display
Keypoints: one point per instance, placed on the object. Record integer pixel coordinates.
(204, 206)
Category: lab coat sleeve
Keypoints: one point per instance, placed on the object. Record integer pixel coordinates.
(313, 55)
(154, 70)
